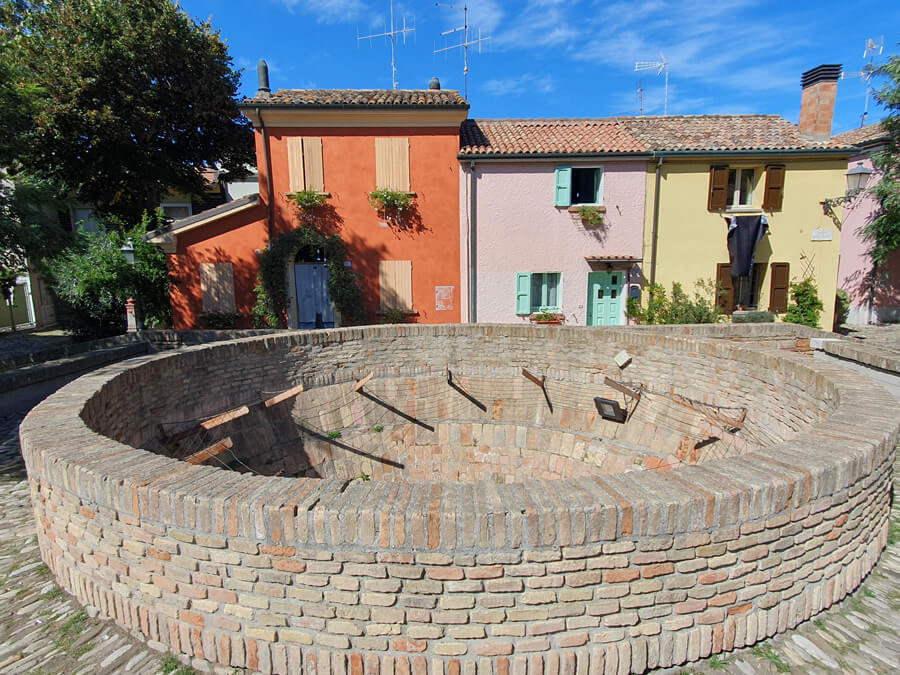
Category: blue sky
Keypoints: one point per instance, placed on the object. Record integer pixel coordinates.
(569, 58)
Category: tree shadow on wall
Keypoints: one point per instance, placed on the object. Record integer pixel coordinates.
(324, 218)
(364, 258)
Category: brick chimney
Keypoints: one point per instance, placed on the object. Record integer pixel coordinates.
(817, 102)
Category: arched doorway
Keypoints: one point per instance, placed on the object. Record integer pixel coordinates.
(314, 306)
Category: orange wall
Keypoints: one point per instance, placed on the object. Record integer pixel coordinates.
(349, 168)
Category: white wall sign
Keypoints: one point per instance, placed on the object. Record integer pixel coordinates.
(825, 234)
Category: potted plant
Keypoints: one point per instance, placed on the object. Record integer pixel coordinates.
(389, 201)
(591, 216)
(547, 317)
(308, 199)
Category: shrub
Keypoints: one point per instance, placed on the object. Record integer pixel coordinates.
(806, 304)
(702, 308)
(92, 280)
(218, 320)
(261, 316)
(395, 316)
(841, 307)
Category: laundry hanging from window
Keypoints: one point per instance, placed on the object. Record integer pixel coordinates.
(744, 234)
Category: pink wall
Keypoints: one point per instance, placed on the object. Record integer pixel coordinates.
(853, 272)
(520, 230)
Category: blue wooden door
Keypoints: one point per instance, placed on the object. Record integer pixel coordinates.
(314, 306)
(604, 306)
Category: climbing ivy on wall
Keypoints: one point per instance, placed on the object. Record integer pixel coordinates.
(343, 284)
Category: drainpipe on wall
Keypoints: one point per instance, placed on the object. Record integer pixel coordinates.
(655, 225)
(473, 222)
(270, 190)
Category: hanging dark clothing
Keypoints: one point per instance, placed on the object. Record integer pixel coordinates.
(743, 236)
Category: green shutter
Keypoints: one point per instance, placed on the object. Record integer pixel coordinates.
(523, 293)
(563, 186)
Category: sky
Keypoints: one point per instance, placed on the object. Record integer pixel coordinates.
(569, 58)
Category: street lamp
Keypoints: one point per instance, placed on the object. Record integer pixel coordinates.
(857, 177)
(132, 321)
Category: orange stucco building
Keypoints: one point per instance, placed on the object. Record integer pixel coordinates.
(341, 144)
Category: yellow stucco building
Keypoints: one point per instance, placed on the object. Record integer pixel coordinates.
(711, 173)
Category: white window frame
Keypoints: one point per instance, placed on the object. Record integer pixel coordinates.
(190, 208)
(542, 306)
(734, 197)
(600, 187)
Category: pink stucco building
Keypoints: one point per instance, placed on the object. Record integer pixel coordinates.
(552, 218)
(874, 295)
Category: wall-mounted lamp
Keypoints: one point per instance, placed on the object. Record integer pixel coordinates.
(857, 178)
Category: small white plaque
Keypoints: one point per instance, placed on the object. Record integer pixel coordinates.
(825, 234)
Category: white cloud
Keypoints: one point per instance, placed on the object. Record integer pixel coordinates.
(327, 11)
(524, 84)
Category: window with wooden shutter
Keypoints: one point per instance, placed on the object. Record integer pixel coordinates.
(718, 188)
(774, 188)
(305, 165)
(395, 283)
(562, 195)
(217, 286)
(779, 285)
(392, 164)
(725, 288)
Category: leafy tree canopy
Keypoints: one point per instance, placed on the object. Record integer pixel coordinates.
(128, 100)
(883, 231)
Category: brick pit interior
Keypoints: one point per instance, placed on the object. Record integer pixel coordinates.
(451, 515)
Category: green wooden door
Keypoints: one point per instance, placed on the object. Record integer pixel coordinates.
(604, 306)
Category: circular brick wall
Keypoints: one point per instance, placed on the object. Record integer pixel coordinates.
(555, 540)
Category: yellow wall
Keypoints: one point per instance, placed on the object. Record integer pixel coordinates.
(692, 240)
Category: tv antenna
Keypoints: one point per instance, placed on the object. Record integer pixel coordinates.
(465, 44)
(392, 34)
(661, 66)
(640, 96)
(872, 50)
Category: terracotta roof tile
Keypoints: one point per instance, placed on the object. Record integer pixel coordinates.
(360, 97)
(546, 136)
(864, 135)
(722, 132)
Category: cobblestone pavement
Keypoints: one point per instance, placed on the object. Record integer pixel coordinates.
(21, 343)
(43, 630)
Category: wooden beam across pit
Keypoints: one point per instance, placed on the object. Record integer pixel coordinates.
(283, 396)
(211, 423)
(214, 450)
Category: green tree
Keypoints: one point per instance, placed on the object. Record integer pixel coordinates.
(92, 280)
(883, 231)
(133, 100)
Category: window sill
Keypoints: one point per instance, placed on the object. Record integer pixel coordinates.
(575, 207)
(407, 312)
(743, 209)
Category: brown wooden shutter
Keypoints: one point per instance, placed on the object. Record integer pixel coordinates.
(392, 164)
(725, 287)
(774, 188)
(295, 164)
(313, 170)
(778, 289)
(395, 284)
(217, 286)
(718, 188)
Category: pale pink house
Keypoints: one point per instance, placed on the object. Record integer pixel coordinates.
(874, 295)
(552, 214)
